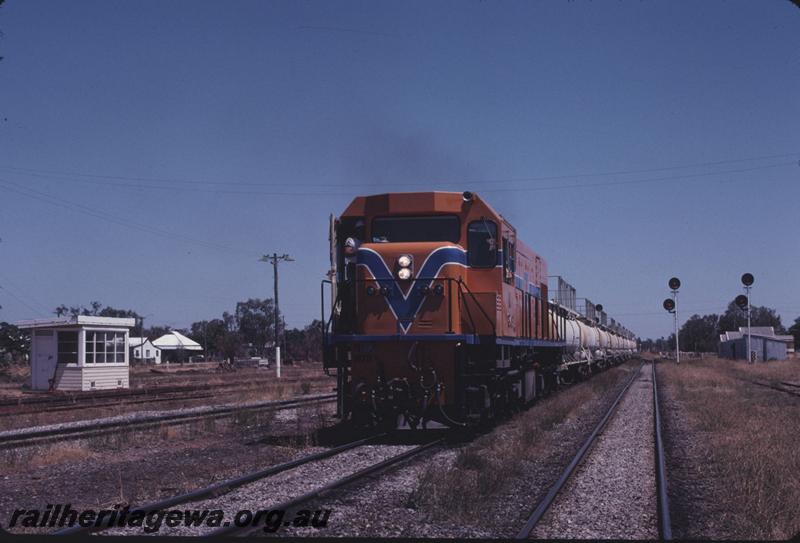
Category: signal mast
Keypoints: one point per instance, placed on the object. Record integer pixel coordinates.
(671, 305)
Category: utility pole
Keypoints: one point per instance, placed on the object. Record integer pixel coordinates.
(275, 260)
(205, 341)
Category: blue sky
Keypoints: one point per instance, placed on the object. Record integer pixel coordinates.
(151, 152)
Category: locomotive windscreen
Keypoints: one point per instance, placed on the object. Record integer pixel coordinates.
(421, 228)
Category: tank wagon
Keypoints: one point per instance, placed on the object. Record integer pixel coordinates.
(440, 315)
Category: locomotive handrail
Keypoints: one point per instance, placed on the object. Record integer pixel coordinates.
(469, 313)
(494, 328)
(323, 322)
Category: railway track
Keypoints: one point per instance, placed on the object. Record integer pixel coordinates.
(163, 397)
(89, 429)
(42, 403)
(795, 391)
(226, 487)
(558, 493)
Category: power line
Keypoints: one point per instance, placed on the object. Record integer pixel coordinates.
(20, 300)
(173, 181)
(6, 281)
(86, 210)
(461, 184)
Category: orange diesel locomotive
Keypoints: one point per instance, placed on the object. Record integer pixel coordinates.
(439, 313)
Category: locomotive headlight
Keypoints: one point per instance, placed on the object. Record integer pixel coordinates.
(404, 273)
(404, 261)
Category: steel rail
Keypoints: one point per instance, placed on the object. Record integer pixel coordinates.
(548, 499)
(92, 396)
(308, 496)
(772, 387)
(664, 519)
(14, 438)
(223, 487)
(122, 402)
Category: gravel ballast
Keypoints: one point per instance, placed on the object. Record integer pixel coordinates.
(612, 494)
(270, 492)
(387, 505)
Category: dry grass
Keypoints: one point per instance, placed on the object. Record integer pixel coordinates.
(65, 452)
(485, 468)
(750, 434)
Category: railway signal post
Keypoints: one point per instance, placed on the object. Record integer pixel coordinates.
(747, 281)
(275, 259)
(674, 284)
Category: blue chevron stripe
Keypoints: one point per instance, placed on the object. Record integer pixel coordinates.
(405, 306)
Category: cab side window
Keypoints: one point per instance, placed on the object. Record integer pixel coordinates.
(509, 261)
(482, 244)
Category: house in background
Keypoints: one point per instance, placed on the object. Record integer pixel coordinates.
(79, 353)
(143, 350)
(764, 342)
(175, 346)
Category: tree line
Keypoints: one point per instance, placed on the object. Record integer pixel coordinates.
(249, 330)
(701, 333)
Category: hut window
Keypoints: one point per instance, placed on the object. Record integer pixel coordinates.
(105, 347)
(68, 347)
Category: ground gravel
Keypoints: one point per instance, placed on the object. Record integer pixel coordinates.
(269, 493)
(612, 494)
(143, 416)
(384, 506)
(381, 506)
(139, 471)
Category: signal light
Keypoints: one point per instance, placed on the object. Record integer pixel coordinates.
(598, 307)
(674, 283)
(748, 279)
(385, 291)
(438, 290)
(741, 301)
(467, 196)
(371, 290)
(669, 305)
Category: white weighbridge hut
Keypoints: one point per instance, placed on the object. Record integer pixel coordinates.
(79, 353)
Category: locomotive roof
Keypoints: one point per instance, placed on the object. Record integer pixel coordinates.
(413, 202)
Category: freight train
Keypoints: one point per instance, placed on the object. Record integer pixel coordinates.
(440, 316)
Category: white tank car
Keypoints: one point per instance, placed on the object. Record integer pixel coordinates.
(605, 339)
(588, 336)
(573, 335)
(613, 342)
(570, 329)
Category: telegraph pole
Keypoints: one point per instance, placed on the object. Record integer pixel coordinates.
(275, 260)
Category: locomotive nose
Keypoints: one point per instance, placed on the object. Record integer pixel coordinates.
(409, 261)
(410, 282)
